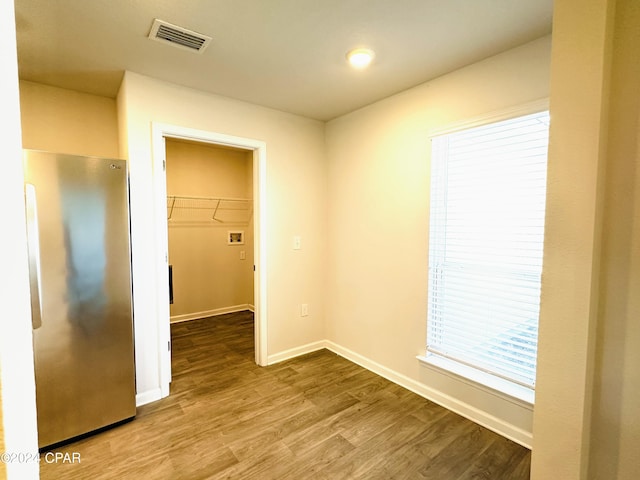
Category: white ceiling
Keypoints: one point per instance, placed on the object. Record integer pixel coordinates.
(284, 54)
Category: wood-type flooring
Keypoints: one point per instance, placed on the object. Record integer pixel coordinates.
(318, 416)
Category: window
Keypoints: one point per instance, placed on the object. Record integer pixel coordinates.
(488, 188)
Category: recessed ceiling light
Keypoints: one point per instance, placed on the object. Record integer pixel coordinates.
(360, 57)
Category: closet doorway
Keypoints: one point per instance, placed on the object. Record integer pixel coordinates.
(213, 186)
(210, 229)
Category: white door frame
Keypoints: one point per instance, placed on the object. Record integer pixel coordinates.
(160, 131)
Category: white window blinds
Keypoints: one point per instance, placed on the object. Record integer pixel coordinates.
(488, 189)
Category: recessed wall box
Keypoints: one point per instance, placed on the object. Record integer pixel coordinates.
(235, 237)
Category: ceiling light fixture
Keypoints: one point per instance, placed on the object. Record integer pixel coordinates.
(360, 57)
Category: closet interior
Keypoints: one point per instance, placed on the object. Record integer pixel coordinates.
(210, 229)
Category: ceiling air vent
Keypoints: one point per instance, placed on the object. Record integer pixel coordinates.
(178, 36)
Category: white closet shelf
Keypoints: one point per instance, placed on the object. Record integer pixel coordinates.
(221, 210)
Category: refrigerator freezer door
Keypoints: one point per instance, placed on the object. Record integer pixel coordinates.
(83, 346)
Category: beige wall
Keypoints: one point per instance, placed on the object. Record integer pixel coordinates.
(587, 421)
(378, 161)
(18, 401)
(615, 435)
(570, 283)
(209, 276)
(295, 205)
(65, 121)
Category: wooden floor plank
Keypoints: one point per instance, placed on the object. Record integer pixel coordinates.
(446, 464)
(499, 460)
(317, 417)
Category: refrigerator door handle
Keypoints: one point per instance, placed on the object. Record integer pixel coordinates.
(33, 247)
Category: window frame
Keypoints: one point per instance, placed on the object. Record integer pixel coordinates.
(476, 377)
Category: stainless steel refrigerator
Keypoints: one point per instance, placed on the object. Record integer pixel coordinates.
(81, 298)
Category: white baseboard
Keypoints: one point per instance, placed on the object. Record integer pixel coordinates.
(296, 352)
(474, 414)
(148, 396)
(211, 313)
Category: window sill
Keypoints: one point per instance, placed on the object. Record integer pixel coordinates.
(495, 385)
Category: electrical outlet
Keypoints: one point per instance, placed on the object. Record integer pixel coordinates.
(304, 310)
(297, 242)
